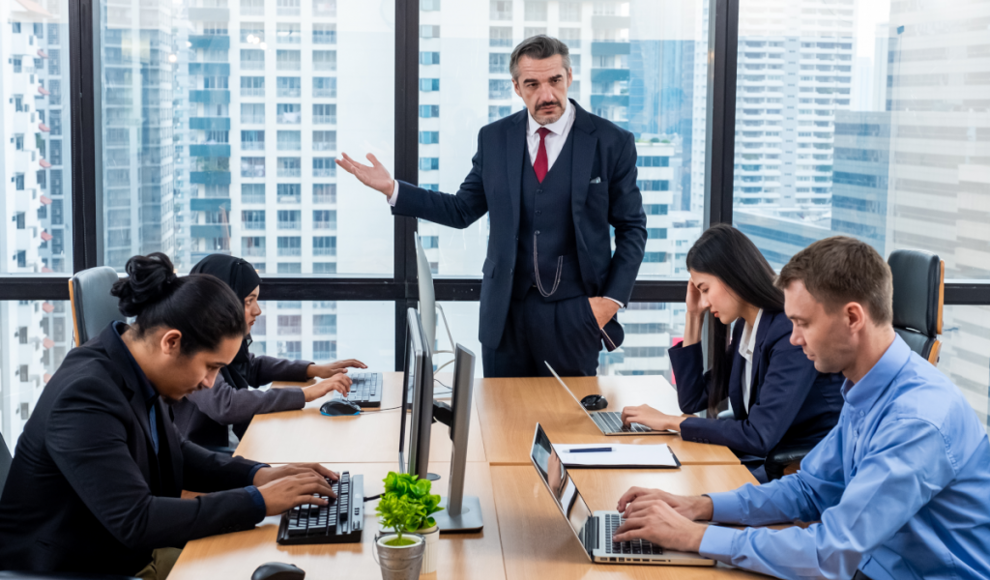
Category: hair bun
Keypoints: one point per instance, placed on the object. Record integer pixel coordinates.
(149, 279)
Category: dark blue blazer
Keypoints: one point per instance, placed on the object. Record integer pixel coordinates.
(602, 151)
(791, 403)
(86, 492)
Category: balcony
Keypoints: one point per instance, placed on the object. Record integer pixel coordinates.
(289, 172)
(210, 97)
(252, 65)
(289, 92)
(324, 93)
(210, 42)
(252, 145)
(253, 92)
(212, 150)
(324, 119)
(210, 177)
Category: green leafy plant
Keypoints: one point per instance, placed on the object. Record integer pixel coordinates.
(406, 505)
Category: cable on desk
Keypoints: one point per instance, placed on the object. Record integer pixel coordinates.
(373, 498)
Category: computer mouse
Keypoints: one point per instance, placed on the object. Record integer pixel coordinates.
(594, 402)
(338, 407)
(278, 571)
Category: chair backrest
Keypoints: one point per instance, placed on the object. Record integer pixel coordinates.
(5, 461)
(919, 296)
(93, 308)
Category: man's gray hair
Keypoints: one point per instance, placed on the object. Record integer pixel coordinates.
(539, 47)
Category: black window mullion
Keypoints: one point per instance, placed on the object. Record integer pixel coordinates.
(82, 106)
(406, 152)
(723, 43)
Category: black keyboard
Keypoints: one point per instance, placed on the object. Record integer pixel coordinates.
(366, 389)
(611, 422)
(339, 522)
(632, 547)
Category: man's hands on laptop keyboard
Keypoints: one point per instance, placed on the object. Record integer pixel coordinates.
(663, 518)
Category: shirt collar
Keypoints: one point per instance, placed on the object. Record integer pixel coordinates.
(147, 389)
(557, 127)
(878, 378)
(748, 340)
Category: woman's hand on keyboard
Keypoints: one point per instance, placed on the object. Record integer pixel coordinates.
(647, 415)
(335, 368)
(340, 383)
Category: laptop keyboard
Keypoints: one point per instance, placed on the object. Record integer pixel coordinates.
(611, 422)
(366, 389)
(633, 547)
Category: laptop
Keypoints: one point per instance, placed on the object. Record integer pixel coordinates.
(595, 530)
(610, 422)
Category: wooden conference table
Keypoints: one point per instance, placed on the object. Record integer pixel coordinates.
(524, 535)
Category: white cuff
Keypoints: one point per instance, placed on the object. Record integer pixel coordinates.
(621, 305)
(395, 193)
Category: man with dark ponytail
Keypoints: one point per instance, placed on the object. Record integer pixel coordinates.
(97, 474)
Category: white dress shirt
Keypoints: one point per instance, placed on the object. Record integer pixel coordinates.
(747, 344)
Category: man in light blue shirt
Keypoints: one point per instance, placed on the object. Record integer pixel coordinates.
(900, 488)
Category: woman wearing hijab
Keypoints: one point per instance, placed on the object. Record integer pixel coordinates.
(203, 416)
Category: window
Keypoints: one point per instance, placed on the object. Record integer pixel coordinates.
(324, 324)
(252, 166)
(429, 5)
(288, 113)
(499, 89)
(287, 7)
(324, 140)
(324, 219)
(253, 32)
(253, 113)
(570, 12)
(324, 167)
(429, 163)
(324, 193)
(325, 87)
(287, 60)
(289, 246)
(500, 36)
(429, 58)
(500, 10)
(324, 246)
(429, 31)
(324, 114)
(289, 167)
(324, 60)
(288, 33)
(428, 111)
(253, 193)
(572, 38)
(252, 7)
(535, 10)
(429, 137)
(253, 219)
(289, 193)
(498, 63)
(289, 220)
(253, 86)
(252, 59)
(289, 141)
(428, 85)
(253, 247)
(324, 33)
(253, 140)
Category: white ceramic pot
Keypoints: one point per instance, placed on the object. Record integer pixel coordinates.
(431, 554)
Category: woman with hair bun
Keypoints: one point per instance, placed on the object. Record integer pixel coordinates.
(97, 475)
(204, 416)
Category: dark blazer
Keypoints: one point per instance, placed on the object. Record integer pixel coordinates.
(602, 151)
(86, 492)
(203, 416)
(791, 402)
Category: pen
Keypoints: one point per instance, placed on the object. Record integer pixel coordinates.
(591, 450)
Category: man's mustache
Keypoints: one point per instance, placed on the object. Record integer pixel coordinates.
(547, 103)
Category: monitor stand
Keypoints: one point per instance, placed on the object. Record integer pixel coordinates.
(468, 518)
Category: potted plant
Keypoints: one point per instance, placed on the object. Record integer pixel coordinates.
(405, 508)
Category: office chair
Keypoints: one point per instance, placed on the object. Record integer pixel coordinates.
(5, 461)
(93, 308)
(919, 296)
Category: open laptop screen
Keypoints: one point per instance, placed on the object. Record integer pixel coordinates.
(561, 487)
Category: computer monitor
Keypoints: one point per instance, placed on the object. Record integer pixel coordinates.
(461, 513)
(428, 306)
(417, 398)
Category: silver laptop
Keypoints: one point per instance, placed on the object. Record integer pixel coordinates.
(610, 422)
(595, 530)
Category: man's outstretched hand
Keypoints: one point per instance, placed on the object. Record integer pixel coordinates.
(374, 176)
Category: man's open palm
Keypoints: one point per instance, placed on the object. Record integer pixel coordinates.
(374, 176)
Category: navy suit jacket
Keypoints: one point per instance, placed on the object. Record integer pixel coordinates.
(791, 403)
(85, 492)
(602, 151)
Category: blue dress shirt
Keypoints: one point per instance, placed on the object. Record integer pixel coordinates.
(900, 487)
(150, 395)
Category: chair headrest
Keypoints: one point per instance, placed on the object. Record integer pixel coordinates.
(917, 290)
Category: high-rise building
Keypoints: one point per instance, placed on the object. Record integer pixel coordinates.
(34, 165)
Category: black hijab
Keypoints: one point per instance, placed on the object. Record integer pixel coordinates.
(242, 279)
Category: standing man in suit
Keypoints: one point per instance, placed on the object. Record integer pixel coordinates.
(553, 179)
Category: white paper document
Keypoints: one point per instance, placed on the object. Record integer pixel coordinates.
(621, 455)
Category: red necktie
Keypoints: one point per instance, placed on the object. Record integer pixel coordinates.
(541, 164)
